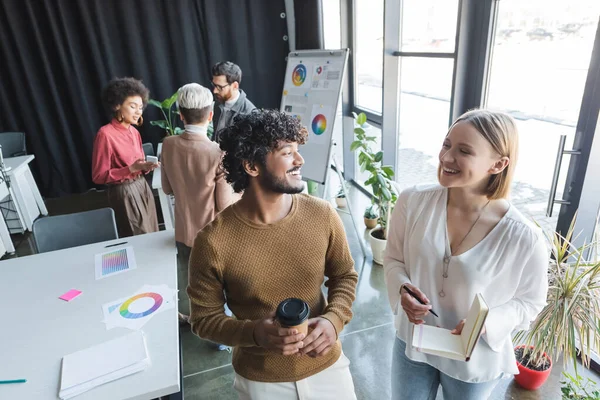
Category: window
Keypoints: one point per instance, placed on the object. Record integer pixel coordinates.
(429, 26)
(540, 59)
(427, 45)
(332, 39)
(368, 17)
(332, 32)
(426, 87)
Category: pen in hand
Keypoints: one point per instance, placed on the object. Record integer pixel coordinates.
(418, 299)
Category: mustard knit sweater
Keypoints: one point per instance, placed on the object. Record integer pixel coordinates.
(258, 266)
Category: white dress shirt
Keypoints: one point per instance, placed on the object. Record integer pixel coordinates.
(508, 267)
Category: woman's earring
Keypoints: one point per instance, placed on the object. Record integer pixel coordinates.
(119, 116)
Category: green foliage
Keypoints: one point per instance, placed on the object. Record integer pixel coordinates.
(371, 212)
(569, 324)
(380, 176)
(576, 389)
(171, 115)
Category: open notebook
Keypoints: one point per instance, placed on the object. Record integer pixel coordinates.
(103, 363)
(440, 342)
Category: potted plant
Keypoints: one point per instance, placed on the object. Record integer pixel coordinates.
(569, 324)
(370, 216)
(340, 198)
(380, 181)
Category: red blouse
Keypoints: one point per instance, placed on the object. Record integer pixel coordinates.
(115, 149)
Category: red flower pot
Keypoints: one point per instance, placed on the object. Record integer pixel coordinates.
(531, 379)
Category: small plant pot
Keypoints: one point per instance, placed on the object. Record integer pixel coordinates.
(370, 223)
(377, 245)
(531, 379)
(341, 202)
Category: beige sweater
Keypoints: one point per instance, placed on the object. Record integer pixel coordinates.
(191, 170)
(258, 266)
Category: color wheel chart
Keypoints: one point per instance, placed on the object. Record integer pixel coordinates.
(319, 124)
(299, 75)
(114, 262)
(139, 307)
(126, 313)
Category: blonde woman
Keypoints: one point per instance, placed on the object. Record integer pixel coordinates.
(450, 241)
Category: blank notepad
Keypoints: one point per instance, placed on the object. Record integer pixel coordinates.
(103, 363)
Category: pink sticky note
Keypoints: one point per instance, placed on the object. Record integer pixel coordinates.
(70, 295)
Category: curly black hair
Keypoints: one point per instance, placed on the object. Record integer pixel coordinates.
(251, 137)
(118, 89)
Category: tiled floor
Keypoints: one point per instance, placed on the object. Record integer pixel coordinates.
(367, 340)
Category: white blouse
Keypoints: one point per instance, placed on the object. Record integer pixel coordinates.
(508, 267)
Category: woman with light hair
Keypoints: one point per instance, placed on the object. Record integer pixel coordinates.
(451, 241)
(191, 170)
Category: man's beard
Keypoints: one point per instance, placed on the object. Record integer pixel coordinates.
(279, 185)
(222, 99)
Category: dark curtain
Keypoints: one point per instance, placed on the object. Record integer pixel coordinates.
(58, 54)
(309, 24)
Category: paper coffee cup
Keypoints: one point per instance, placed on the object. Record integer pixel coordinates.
(293, 313)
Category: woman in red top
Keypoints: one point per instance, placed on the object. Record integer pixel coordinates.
(118, 160)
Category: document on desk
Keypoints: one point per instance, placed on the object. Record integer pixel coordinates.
(103, 363)
(135, 310)
(114, 262)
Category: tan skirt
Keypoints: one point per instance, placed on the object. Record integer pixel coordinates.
(134, 207)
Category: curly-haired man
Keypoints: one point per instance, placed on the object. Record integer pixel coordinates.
(273, 244)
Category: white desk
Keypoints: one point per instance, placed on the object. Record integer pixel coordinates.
(38, 329)
(167, 201)
(5, 239)
(27, 197)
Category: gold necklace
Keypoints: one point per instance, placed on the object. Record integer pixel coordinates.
(447, 256)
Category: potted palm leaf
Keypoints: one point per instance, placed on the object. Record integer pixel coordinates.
(569, 324)
(380, 181)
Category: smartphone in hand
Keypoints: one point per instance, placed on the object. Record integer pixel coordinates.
(152, 159)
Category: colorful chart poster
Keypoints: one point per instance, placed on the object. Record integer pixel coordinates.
(326, 76)
(300, 75)
(135, 310)
(114, 262)
(320, 123)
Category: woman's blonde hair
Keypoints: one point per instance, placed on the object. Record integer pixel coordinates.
(500, 130)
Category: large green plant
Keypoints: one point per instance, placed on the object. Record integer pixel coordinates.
(380, 176)
(170, 113)
(571, 318)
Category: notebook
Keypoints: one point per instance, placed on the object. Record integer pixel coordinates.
(440, 342)
(103, 363)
